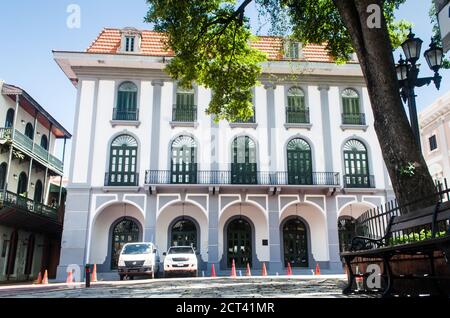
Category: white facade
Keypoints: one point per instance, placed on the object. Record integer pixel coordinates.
(94, 207)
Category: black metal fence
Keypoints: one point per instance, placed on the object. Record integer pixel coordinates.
(353, 119)
(222, 177)
(359, 181)
(297, 115)
(126, 115)
(187, 114)
(373, 223)
(121, 179)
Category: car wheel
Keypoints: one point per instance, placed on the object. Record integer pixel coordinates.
(194, 274)
(121, 277)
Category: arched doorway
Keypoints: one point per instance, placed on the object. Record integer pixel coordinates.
(9, 122)
(244, 167)
(123, 232)
(356, 165)
(29, 131)
(22, 184)
(123, 161)
(38, 188)
(44, 142)
(30, 255)
(3, 170)
(295, 243)
(299, 161)
(346, 231)
(184, 160)
(184, 233)
(12, 253)
(239, 243)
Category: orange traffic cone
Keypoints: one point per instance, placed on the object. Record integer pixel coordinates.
(233, 269)
(39, 279)
(264, 270)
(317, 269)
(249, 272)
(69, 279)
(213, 271)
(289, 270)
(45, 279)
(94, 274)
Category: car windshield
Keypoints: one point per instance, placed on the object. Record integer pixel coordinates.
(181, 250)
(137, 249)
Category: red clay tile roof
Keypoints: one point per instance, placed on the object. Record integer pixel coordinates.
(152, 44)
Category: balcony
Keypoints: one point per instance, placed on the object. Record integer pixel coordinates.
(185, 114)
(358, 181)
(297, 115)
(121, 179)
(28, 213)
(230, 177)
(354, 119)
(25, 144)
(123, 115)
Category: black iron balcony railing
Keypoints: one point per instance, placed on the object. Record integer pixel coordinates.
(359, 181)
(353, 119)
(126, 115)
(295, 115)
(14, 200)
(183, 113)
(26, 144)
(225, 177)
(121, 179)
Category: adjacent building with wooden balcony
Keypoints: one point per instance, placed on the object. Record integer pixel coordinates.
(150, 164)
(31, 213)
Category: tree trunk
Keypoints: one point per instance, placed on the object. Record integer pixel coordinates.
(398, 145)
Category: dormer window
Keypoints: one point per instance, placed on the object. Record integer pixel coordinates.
(292, 50)
(129, 43)
(131, 40)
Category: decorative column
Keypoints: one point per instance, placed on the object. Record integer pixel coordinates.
(276, 265)
(272, 147)
(326, 127)
(13, 134)
(150, 218)
(333, 236)
(213, 233)
(156, 122)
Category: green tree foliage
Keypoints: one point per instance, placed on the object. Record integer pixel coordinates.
(212, 42)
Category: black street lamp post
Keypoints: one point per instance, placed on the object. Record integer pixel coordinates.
(408, 75)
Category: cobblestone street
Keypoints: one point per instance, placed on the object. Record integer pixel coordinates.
(269, 287)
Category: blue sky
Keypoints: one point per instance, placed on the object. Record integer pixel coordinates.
(32, 29)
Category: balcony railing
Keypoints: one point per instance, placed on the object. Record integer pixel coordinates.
(119, 114)
(26, 144)
(121, 179)
(353, 119)
(187, 114)
(297, 116)
(359, 181)
(224, 177)
(10, 199)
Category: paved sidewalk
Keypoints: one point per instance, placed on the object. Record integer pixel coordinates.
(327, 286)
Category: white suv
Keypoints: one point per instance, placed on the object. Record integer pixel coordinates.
(138, 259)
(180, 260)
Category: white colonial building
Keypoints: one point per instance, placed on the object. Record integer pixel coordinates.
(149, 164)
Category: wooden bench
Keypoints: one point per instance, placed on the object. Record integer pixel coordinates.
(384, 250)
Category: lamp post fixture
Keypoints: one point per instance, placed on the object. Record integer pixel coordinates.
(408, 75)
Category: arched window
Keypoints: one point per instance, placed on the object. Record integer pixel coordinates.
(299, 161)
(22, 185)
(38, 189)
(44, 142)
(123, 162)
(356, 165)
(9, 122)
(296, 110)
(184, 160)
(351, 108)
(295, 243)
(184, 233)
(244, 167)
(29, 131)
(185, 109)
(239, 243)
(126, 231)
(126, 102)
(3, 170)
